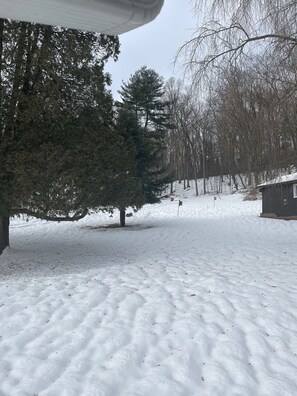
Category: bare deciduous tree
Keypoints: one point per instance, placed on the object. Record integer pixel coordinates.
(232, 29)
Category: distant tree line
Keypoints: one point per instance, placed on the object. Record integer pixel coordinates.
(247, 124)
(238, 116)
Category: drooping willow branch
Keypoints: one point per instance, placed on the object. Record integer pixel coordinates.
(217, 38)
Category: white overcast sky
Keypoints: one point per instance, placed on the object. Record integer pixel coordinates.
(154, 44)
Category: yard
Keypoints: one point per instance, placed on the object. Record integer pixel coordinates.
(200, 304)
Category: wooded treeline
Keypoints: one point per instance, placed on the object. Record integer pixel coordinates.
(246, 124)
(238, 114)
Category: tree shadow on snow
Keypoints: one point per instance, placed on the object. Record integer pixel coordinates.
(129, 227)
(55, 256)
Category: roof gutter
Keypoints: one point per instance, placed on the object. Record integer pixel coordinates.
(110, 17)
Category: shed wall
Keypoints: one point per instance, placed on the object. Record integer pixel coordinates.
(278, 199)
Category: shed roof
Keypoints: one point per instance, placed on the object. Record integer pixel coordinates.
(280, 179)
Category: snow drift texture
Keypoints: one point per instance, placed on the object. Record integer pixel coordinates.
(200, 304)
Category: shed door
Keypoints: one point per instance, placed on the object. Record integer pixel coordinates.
(286, 200)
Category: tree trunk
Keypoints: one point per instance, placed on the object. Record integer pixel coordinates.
(235, 182)
(1, 54)
(204, 172)
(256, 178)
(195, 178)
(4, 233)
(17, 78)
(242, 182)
(122, 217)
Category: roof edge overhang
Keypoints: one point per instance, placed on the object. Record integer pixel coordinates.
(111, 17)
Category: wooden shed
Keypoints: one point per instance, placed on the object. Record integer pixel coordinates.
(279, 197)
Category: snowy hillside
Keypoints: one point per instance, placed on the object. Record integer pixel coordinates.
(200, 304)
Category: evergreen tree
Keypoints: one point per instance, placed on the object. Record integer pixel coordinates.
(56, 121)
(142, 122)
(144, 94)
(127, 186)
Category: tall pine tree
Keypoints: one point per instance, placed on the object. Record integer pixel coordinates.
(143, 121)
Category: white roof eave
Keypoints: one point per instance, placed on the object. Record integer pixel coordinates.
(110, 17)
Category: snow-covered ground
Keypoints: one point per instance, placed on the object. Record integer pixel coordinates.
(200, 304)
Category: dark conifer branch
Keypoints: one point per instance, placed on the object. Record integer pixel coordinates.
(42, 216)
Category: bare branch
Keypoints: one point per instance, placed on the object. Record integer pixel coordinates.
(231, 27)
